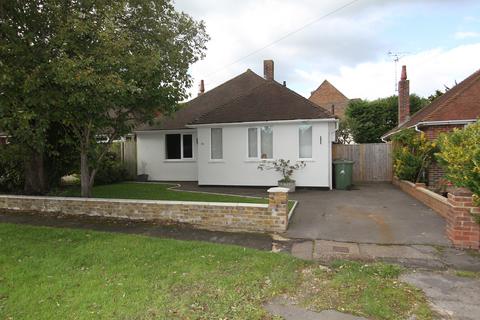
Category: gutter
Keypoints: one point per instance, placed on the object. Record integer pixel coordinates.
(430, 123)
(258, 122)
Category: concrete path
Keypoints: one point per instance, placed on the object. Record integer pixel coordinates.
(287, 311)
(408, 255)
(450, 296)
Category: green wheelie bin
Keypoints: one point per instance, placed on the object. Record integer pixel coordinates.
(343, 174)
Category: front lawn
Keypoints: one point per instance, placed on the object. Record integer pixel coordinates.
(48, 273)
(157, 191)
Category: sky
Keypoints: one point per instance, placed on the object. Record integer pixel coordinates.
(344, 41)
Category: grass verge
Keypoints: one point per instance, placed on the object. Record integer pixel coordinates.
(368, 290)
(48, 273)
(74, 274)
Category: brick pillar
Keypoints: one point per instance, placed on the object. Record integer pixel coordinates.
(278, 206)
(462, 229)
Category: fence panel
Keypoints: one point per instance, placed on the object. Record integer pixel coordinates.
(373, 161)
(129, 156)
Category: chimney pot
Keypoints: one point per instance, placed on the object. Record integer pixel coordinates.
(404, 73)
(284, 83)
(201, 89)
(268, 70)
(403, 97)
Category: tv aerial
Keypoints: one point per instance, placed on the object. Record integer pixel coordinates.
(396, 56)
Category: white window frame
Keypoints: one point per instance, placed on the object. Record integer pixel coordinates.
(298, 141)
(210, 156)
(181, 147)
(259, 144)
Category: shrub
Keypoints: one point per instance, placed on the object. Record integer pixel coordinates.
(283, 166)
(111, 170)
(412, 154)
(460, 158)
(11, 169)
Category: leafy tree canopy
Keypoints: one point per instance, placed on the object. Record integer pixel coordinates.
(103, 66)
(369, 120)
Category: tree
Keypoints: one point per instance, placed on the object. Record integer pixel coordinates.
(344, 134)
(369, 120)
(111, 65)
(29, 110)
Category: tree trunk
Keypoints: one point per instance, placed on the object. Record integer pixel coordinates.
(35, 179)
(86, 185)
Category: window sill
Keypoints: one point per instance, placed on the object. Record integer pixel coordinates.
(180, 160)
(306, 160)
(259, 160)
(216, 161)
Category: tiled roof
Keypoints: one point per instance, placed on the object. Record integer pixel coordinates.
(208, 101)
(269, 102)
(461, 102)
(247, 97)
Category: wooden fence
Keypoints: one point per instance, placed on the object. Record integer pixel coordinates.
(127, 153)
(373, 161)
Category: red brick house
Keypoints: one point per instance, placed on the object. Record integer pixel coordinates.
(330, 98)
(456, 108)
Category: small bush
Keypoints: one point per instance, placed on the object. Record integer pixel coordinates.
(412, 154)
(460, 158)
(111, 170)
(12, 170)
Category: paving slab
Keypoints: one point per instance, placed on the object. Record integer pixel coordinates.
(293, 312)
(328, 250)
(452, 297)
(303, 250)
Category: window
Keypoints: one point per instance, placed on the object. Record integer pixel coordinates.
(260, 144)
(216, 143)
(252, 143)
(305, 142)
(187, 146)
(179, 146)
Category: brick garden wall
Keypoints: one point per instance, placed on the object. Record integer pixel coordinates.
(272, 217)
(435, 201)
(461, 227)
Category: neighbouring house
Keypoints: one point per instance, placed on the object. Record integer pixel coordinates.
(221, 136)
(330, 98)
(456, 108)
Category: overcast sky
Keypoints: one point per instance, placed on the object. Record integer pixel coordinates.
(439, 41)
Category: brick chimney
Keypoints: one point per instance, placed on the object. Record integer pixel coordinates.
(201, 88)
(268, 71)
(403, 97)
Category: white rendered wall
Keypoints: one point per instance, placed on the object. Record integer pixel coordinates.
(236, 169)
(151, 152)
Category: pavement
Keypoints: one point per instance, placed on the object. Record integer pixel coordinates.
(286, 310)
(414, 256)
(450, 296)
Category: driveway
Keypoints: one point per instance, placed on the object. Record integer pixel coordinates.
(371, 213)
